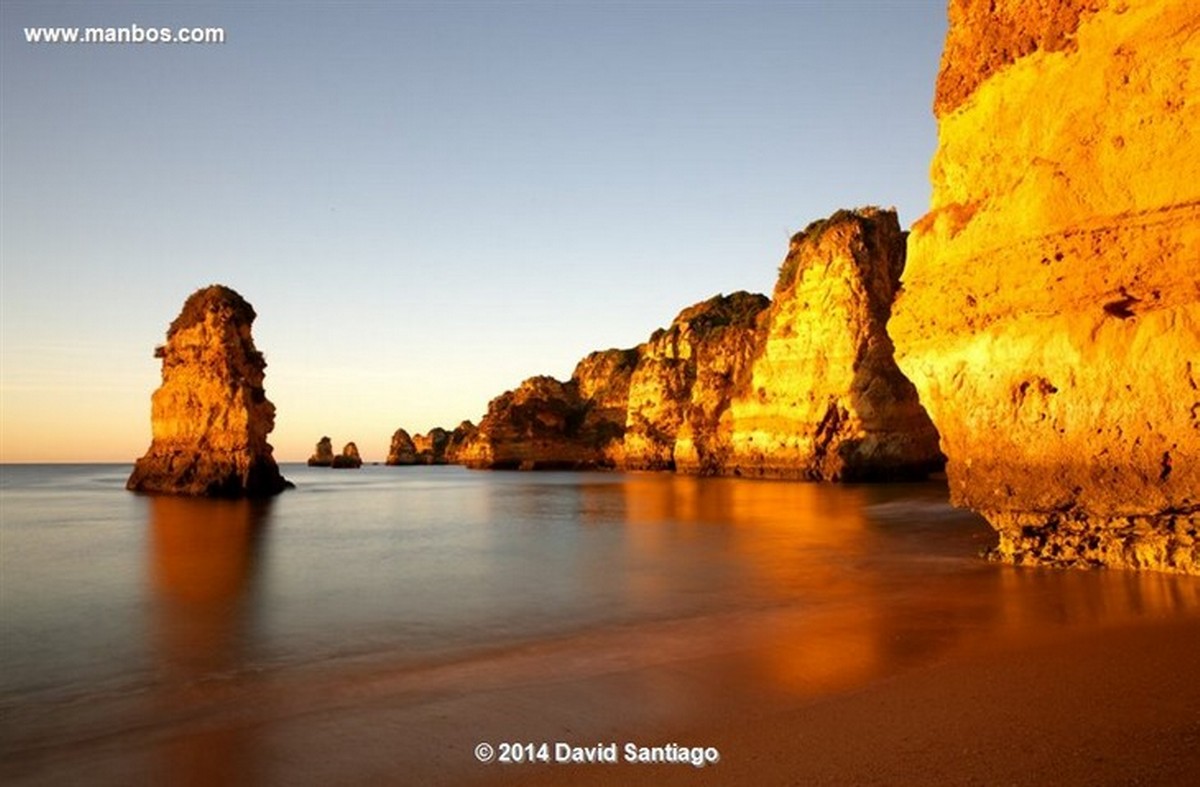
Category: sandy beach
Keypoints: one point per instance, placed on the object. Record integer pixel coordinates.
(1104, 704)
(1117, 706)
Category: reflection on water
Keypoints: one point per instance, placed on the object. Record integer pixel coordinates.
(784, 542)
(202, 560)
(880, 577)
(439, 585)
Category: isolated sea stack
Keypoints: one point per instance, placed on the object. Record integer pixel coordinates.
(322, 455)
(210, 417)
(821, 397)
(402, 451)
(1050, 316)
(348, 459)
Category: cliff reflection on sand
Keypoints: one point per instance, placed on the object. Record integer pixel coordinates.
(789, 541)
(875, 606)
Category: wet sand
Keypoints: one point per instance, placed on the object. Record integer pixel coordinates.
(1092, 705)
(1119, 706)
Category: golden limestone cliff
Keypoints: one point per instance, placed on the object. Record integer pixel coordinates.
(210, 417)
(803, 387)
(821, 398)
(683, 379)
(1050, 316)
(623, 408)
(439, 447)
(403, 451)
(548, 424)
(461, 436)
(603, 379)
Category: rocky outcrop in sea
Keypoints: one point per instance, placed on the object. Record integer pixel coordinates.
(322, 455)
(210, 417)
(348, 459)
(1050, 314)
(438, 447)
(402, 451)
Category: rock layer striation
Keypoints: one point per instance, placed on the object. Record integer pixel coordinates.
(802, 387)
(821, 397)
(210, 417)
(1051, 309)
(683, 380)
(547, 424)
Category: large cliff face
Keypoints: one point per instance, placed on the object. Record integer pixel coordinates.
(439, 447)
(804, 387)
(822, 398)
(603, 379)
(210, 417)
(1051, 308)
(537, 426)
(683, 381)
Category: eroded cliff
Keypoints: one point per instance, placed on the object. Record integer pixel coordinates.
(683, 381)
(438, 447)
(803, 387)
(538, 426)
(1051, 309)
(402, 450)
(821, 397)
(210, 417)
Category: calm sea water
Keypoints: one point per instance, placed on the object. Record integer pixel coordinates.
(106, 595)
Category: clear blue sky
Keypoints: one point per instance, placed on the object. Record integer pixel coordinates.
(425, 203)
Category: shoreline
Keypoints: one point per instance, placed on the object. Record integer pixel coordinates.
(1068, 703)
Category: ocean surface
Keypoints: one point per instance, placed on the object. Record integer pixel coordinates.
(122, 616)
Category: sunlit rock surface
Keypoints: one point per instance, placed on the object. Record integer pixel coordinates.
(402, 451)
(683, 380)
(803, 387)
(210, 417)
(431, 447)
(548, 424)
(1050, 316)
(603, 380)
(458, 438)
(821, 397)
(438, 447)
